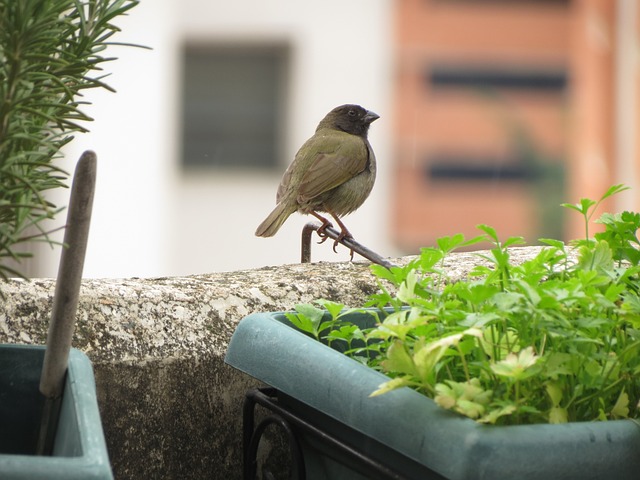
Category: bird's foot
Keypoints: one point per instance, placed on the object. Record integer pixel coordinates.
(344, 233)
(322, 231)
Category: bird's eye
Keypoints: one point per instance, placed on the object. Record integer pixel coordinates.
(352, 113)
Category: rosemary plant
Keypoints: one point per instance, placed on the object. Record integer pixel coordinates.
(50, 52)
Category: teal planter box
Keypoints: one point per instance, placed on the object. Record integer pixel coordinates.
(79, 450)
(407, 430)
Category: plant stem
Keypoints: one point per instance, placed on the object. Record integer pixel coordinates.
(463, 361)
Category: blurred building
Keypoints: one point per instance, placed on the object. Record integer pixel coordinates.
(505, 109)
(492, 111)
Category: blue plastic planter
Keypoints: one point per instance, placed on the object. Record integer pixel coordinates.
(79, 450)
(323, 382)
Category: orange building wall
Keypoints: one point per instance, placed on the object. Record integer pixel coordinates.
(573, 126)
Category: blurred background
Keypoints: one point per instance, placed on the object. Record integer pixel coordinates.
(491, 112)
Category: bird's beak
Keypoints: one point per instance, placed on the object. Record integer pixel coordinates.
(371, 117)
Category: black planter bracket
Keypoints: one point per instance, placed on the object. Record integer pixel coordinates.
(295, 429)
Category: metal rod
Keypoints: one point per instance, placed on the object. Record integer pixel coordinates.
(65, 299)
(348, 242)
(307, 232)
(298, 471)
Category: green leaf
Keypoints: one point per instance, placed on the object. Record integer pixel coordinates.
(346, 333)
(559, 244)
(554, 390)
(429, 258)
(529, 292)
(466, 398)
(558, 415)
(470, 409)
(517, 366)
(448, 244)
(426, 357)
(479, 320)
(496, 413)
(621, 407)
(301, 322)
(394, 326)
(445, 396)
(407, 289)
(398, 359)
(395, 275)
(392, 384)
(598, 258)
(497, 343)
(308, 320)
(583, 206)
(314, 314)
(513, 241)
(490, 231)
(559, 363)
(333, 308)
(615, 189)
(475, 294)
(506, 301)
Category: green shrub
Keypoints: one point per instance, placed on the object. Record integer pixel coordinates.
(554, 339)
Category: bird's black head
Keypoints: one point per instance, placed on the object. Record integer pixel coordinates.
(349, 118)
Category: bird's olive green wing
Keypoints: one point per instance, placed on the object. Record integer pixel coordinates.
(340, 157)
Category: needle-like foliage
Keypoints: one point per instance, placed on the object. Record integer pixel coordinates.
(50, 52)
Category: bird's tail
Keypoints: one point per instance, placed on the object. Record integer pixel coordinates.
(274, 221)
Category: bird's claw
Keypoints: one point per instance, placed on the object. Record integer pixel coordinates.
(322, 232)
(342, 236)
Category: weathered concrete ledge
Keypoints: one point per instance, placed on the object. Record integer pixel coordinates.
(170, 406)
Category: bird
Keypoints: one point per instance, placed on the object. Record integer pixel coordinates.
(333, 172)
